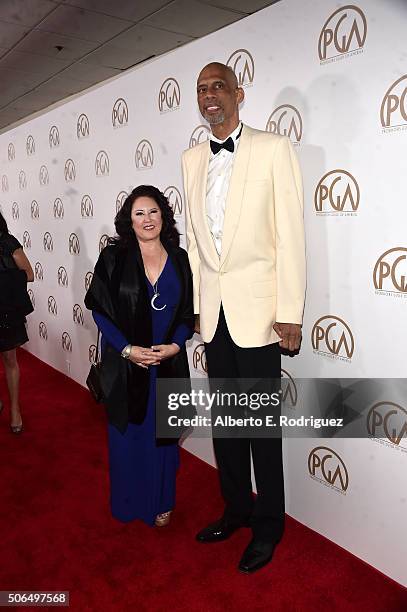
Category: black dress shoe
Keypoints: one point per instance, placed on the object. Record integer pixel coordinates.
(256, 555)
(218, 531)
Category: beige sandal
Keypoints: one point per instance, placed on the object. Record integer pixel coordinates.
(16, 429)
(161, 520)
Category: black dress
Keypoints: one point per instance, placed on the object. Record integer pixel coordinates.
(12, 327)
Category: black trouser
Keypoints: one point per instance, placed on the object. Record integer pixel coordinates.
(265, 513)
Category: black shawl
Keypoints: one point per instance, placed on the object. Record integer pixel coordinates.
(119, 292)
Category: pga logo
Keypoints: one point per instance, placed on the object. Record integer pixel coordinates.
(169, 96)
(343, 32)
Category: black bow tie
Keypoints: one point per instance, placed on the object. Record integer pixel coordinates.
(228, 144)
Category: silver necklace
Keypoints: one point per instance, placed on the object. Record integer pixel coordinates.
(156, 295)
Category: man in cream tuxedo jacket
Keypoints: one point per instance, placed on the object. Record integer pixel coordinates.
(245, 238)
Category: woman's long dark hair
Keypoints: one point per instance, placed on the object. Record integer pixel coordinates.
(123, 224)
(3, 225)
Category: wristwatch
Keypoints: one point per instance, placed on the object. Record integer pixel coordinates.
(126, 352)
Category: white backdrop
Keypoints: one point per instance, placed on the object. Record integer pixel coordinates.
(334, 79)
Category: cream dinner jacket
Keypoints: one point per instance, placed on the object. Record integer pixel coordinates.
(260, 275)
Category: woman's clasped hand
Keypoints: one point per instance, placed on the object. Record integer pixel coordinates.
(145, 357)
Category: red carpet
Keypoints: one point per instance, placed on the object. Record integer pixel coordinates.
(57, 532)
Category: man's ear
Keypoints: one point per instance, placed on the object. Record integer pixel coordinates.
(240, 95)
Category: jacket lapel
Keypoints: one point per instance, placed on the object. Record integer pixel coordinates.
(201, 184)
(235, 193)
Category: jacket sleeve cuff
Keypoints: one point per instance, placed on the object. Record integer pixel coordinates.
(291, 314)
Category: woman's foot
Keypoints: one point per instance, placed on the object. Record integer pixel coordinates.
(16, 429)
(161, 520)
(16, 424)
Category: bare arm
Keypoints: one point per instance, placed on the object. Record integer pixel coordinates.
(23, 263)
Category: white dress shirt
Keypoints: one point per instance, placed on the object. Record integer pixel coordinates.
(219, 173)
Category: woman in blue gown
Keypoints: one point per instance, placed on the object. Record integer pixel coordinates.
(141, 299)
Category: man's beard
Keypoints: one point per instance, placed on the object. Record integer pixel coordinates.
(214, 119)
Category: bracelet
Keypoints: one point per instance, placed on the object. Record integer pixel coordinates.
(126, 352)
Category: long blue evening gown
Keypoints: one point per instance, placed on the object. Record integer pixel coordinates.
(142, 475)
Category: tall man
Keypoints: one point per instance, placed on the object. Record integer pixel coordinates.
(245, 239)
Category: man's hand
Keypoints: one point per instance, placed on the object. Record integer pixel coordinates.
(290, 334)
(197, 327)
